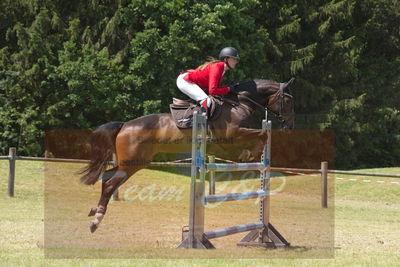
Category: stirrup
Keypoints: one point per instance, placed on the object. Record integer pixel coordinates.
(204, 110)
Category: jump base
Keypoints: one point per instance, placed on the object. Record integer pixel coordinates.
(204, 243)
(254, 239)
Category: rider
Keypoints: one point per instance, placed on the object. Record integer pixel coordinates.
(208, 76)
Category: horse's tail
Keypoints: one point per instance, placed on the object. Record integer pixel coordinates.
(102, 141)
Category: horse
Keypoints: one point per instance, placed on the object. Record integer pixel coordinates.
(136, 142)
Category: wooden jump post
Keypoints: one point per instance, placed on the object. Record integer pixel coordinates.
(262, 233)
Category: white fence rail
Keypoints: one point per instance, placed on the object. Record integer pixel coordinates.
(12, 158)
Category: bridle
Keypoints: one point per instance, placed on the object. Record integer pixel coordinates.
(280, 95)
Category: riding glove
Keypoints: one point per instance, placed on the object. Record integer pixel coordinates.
(234, 88)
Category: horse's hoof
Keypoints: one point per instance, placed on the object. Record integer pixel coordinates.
(93, 227)
(92, 212)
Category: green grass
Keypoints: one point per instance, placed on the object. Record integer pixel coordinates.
(366, 221)
(372, 191)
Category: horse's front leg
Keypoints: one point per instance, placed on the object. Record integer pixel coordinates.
(253, 139)
(244, 135)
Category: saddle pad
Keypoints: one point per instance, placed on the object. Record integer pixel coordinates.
(182, 111)
(183, 116)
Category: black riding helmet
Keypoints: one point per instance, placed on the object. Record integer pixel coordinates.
(228, 52)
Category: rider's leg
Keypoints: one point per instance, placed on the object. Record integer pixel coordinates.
(194, 92)
(205, 104)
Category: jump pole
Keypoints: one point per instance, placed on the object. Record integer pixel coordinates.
(262, 232)
(196, 237)
(268, 235)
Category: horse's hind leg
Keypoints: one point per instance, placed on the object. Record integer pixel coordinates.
(134, 152)
(111, 180)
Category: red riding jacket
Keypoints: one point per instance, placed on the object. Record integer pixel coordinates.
(209, 78)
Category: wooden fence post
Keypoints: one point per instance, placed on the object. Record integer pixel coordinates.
(12, 154)
(115, 163)
(211, 159)
(324, 184)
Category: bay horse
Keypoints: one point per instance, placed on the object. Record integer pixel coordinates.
(136, 142)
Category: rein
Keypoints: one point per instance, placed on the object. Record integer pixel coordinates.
(280, 93)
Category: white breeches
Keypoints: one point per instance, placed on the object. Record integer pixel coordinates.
(192, 90)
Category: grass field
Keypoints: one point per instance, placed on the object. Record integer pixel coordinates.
(46, 223)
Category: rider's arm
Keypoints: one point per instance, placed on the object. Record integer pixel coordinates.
(215, 77)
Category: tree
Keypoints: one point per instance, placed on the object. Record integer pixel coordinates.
(75, 65)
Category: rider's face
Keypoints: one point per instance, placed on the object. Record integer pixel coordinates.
(232, 62)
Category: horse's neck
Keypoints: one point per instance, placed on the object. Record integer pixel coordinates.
(259, 98)
(233, 116)
(250, 103)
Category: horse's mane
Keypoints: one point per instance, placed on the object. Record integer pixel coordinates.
(253, 85)
(248, 86)
(264, 81)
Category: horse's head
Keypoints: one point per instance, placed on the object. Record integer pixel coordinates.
(273, 96)
(282, 105)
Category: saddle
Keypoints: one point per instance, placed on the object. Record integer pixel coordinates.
(182, 111)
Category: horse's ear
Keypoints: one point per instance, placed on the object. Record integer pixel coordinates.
(289, 82)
